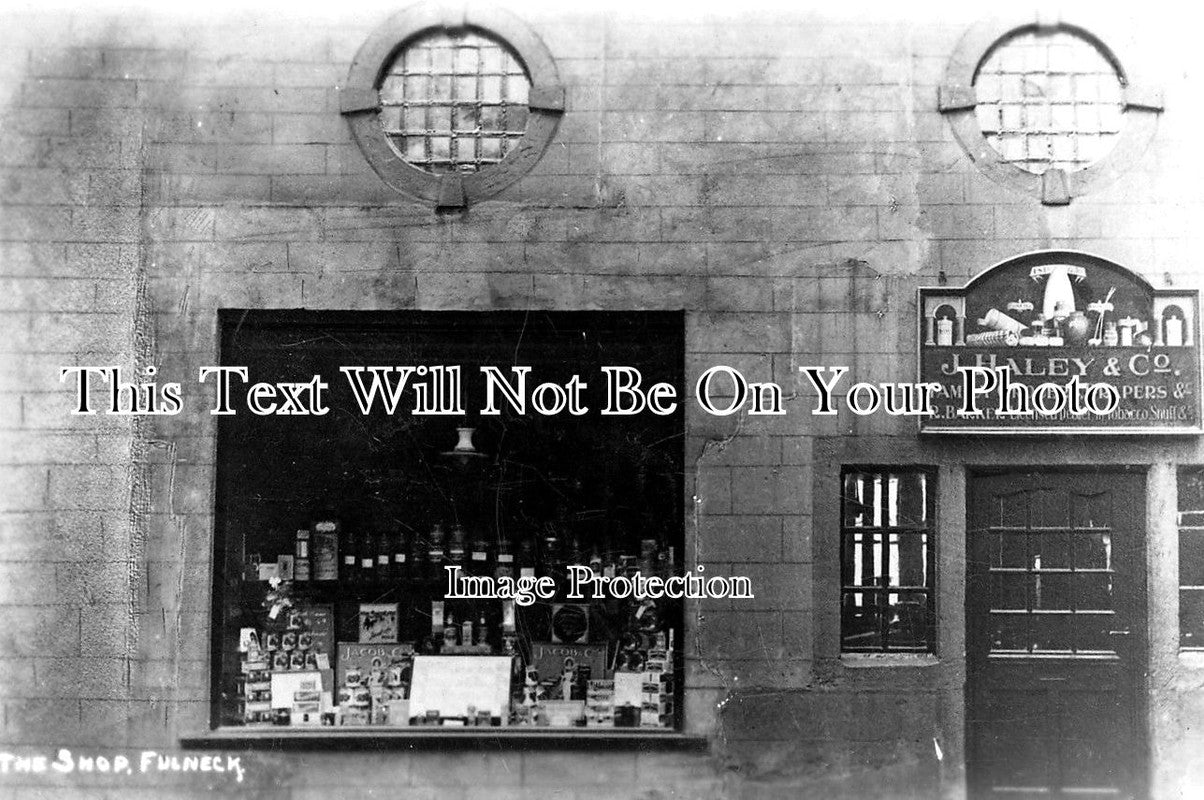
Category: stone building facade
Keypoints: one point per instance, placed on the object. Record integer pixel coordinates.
(786, 178)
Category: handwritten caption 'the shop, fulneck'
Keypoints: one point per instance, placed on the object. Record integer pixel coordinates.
(144, 762)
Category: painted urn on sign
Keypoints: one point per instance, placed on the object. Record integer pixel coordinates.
(1078, 328)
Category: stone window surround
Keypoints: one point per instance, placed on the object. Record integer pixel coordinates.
(957, 102)
(359, 102)
(930, 529)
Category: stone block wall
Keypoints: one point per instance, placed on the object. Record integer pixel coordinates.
(784, 177)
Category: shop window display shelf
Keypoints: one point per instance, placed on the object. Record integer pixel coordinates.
(422, 738)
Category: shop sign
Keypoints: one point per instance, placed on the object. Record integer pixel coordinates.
(1060, 342)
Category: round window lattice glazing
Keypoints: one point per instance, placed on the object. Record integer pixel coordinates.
(1049, 99)
(454, 101)
(451, 104)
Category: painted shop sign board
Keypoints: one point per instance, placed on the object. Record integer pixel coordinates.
(1060, 342)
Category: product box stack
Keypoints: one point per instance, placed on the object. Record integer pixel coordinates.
(254, 688)
(283, 672)
(307, 702)
(656, 691)
(373, 683)
(600, 704)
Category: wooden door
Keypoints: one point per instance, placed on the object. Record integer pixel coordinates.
(1056, 635)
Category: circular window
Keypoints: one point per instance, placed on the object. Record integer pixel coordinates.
(1049, 98)
(1046, 109)
(452, 109)
(454, 101)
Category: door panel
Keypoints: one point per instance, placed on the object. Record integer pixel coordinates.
(1055, 606)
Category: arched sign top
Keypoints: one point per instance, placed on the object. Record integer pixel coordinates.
(1061, 341)
(1073, 257)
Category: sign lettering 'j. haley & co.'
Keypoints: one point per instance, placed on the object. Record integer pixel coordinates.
(1058, 342)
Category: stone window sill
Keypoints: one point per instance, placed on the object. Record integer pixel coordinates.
(240, 738)
(891, 660)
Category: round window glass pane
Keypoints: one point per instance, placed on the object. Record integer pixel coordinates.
(454, 101)
(1049, 98)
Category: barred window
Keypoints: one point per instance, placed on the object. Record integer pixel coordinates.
(888, 560)
(452, 105)
(1049, 98)
(454, 101)
(1191, 558)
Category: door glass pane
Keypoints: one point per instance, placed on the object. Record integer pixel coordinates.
(1093, 550)
(1052, 632)
(1191, 498)
(1191, 558)
(1009, 591)
(1051, 550)
(1013, 510)
(1049, 509)
(1093, 591)
(1010, 633)
(1009, 549)
(1091, 510)
(1052, 591)
(1191, 618)
(1093, 630)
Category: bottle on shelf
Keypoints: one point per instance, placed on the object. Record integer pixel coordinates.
(349, 570)
(384, 558)
(456, 547)
(609, 558)
(628, 564)
(417, 554)
(647, 564)
(301, 563)
(504, 566)
(435, 553)
(478, 555)
(367, 555)
(325, 534)
(575, 555)
(595, 560)
(551, 555)
(401, 556)
(509, 631)
(525, 563)
(481, 630)
(466, 631)
(451, 630)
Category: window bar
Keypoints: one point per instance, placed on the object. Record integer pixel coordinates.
(882, 578)
(930, 579)
(504, 97)
(480, 108)
(428, 142)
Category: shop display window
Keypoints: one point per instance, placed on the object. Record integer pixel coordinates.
(334, 532)
(888, 560)
(1191, 558)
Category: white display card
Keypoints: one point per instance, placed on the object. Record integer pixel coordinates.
(450, 684)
